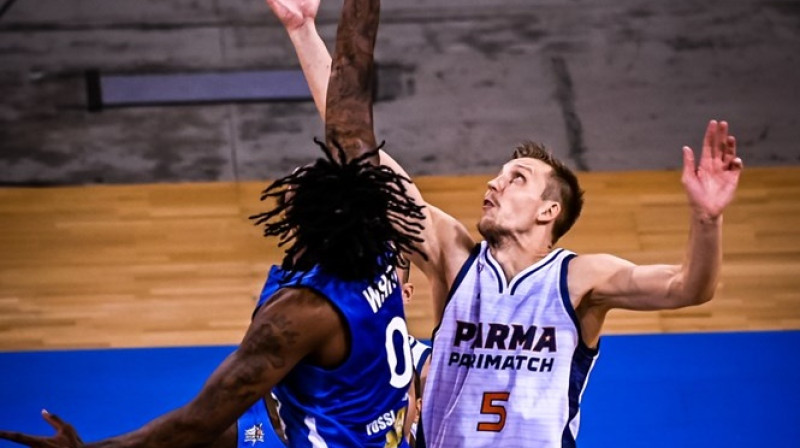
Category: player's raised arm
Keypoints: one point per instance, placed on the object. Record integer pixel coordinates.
(445, 241)
(297, 17)
(710, 185)
(341, 86)
(348, 102)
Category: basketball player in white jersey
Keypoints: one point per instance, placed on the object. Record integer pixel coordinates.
(520, 319)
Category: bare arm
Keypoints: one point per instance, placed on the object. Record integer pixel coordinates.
(348, 100)
(295, 324)
(342, 85)
(446, 241)
(298, 16)
(608, 282)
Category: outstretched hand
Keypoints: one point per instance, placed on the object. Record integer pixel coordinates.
(711, 183)
(294, 13)
(65, 437)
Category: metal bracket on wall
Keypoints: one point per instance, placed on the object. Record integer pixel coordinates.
(128, 90)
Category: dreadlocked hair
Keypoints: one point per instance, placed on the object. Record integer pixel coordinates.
(352, 218)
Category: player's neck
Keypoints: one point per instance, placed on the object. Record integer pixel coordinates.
(516, 253)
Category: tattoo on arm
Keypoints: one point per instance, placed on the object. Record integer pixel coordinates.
(270, 347)
(275, 337)
(348, 120)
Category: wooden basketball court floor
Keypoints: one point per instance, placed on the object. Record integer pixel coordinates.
(180, 266)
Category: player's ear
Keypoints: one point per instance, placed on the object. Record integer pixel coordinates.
(408, 292)
(548, 211)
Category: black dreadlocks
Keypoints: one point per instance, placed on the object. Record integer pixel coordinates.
(352, 218)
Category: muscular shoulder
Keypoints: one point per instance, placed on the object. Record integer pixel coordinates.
(300, 320)
(588, 272)
(297, 300)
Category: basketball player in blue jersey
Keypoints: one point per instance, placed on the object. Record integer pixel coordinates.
(519, 318)
(329, 336)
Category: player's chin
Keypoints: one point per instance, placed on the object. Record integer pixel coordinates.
(489, 229)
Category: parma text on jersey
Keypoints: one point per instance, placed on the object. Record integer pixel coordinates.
(497, 336)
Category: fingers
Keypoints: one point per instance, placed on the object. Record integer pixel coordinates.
(688, 163)
(730, 161)
(721, 140)
(715, 139)
(54, 420)
(729, 151)
(63, 428)
(709, 140)
(22, 439)
(719, 146)
(736, 164)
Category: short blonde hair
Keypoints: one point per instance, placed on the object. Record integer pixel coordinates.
(562, 188)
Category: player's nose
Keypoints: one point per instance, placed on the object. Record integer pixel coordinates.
(496, 184)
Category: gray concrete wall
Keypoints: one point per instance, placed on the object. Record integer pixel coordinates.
(608, 85)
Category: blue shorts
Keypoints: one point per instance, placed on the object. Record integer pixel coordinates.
(254, 429)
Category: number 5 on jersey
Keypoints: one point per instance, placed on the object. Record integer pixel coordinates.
(494, 404)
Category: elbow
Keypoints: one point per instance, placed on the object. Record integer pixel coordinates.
(705, 290)
(699, 300)
(706, 296)
(685, 295)
(698, 297)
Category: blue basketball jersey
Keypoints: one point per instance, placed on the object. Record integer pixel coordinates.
(362, 402)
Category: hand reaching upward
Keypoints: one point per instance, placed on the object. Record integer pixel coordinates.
(294, 13)
(710, 184)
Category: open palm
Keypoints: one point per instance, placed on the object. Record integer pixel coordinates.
(711, 183)
(294, 13)
(65, 437)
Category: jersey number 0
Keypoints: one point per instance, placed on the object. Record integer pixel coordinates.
(402, 379)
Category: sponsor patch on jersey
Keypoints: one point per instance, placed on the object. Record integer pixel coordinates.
(255, 434)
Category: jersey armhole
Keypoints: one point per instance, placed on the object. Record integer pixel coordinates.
(567, 303)
(473, 255)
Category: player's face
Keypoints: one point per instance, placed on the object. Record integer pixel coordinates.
(513, 202)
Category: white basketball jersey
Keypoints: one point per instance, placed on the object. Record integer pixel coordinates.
(508, 365)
